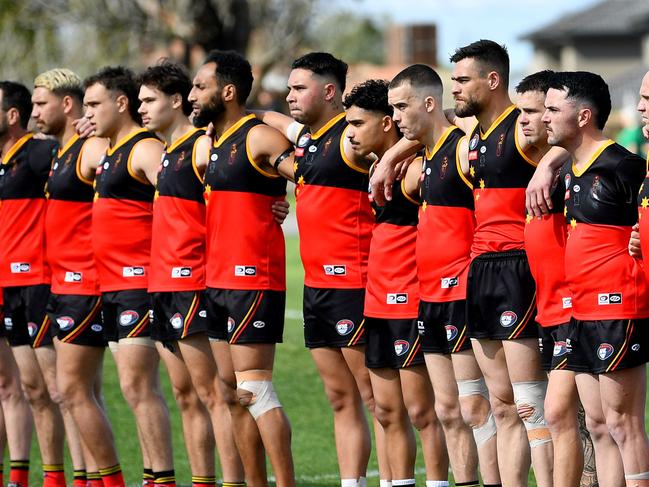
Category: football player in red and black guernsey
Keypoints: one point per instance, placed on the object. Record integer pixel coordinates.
(610, 294)
(246, 284)
(74, 305)
(25, 276)
(393, 354)
(545, 242)
(643, 197)
(177, 280)
(446, 215)
(335, 225)
(121, 233)
(501, 302)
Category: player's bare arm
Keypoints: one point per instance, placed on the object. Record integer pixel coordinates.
(202, 154)
(93, 150)
(285, 124)
(146, 160)
(466, 124)
(389, 168)
(412, 179)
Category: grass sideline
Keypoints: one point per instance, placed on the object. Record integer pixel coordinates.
(299, 388)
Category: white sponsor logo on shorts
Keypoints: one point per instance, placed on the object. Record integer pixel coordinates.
(259, 324)
(9, 323)
(96, 327)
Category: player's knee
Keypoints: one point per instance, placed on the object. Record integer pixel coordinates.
(597, 427)
(255, 392)
(421, 415)
(137, 391)
(559, 416)
(448, 412)
(186, 397)
(621, 425)
(476, 409)
(530, 398)
(387, 414)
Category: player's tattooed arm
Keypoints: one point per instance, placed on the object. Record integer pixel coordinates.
(391, 167)
(146, 160)
(93, 150)
(285, 124)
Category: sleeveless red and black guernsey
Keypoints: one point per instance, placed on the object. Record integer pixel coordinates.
(643, 212)
(23, 175)
(121, 218)
(68, 223)
(245, 245)
(500, 172)
(601, 200)
(545, 246)
(392, 290)
(333, 211)
(446, 222)
(178, 240)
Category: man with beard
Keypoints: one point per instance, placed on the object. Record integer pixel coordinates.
(246, 288)
(177, 280)
(18, 148)
(25, 277)
(121, 233)
(74, 305)
(335, 225)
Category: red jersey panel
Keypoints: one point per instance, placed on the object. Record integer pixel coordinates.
(121, 219)
(545, 246)
(601, 201)
(333, 211)
(245, 245)
(446, 223)
(23, 175)
(68, 224)
(500, 172)
(392, 290)
(178, 239)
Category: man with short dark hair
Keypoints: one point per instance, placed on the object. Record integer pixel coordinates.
(610, 295)
(121, 231)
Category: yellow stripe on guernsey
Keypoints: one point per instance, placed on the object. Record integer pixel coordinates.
(16, 147)
(496, 122)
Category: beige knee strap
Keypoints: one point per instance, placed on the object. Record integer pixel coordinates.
(259, 383)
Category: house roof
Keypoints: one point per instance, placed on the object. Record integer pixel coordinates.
(605, 18)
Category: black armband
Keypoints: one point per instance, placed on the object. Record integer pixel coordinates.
(282, 156)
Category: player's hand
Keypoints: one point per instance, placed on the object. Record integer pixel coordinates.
(381, 183)
(83, 127)
(209, 130)
(635, 250)
(280, 210)
(538, 199)
(645, 131)
(401, 168)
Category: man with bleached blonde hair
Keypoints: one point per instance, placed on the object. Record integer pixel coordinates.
(74, 305)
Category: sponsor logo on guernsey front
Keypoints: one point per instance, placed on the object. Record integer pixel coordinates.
(245, 270)
(604, 351)
(344, 327)
(20, 267)
(32, 329)
(71, 276)
(177, 321)
(335, 269)
(508, 318)
(451, 332)
(560, 348)
(604, 299)
(180, 272)
(566, 303)
(65, 322)
(448, 282)
(134, 271)
(401, 347)
(397, 298)
(128, 317)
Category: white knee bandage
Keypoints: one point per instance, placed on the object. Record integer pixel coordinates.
(478, 387)
(473, 387)
(529, 398)
(263, 393)
(637, 476)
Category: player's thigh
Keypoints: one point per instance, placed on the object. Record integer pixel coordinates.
(386, 386)
(253, 356)
(465, 365)
(336, 375)
(624, 391)
(490, 356)
(523, 360)
(417, 389)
